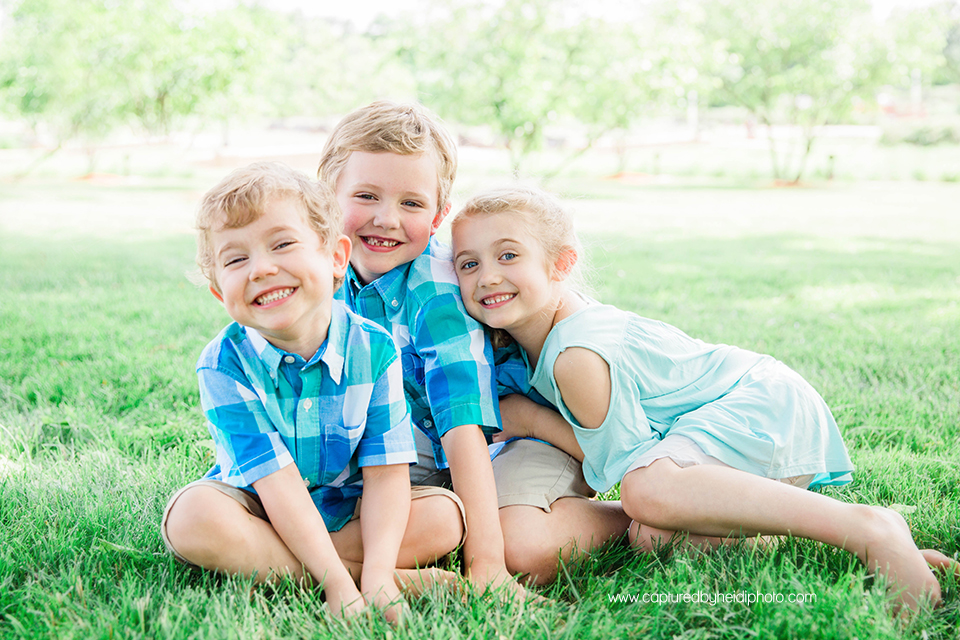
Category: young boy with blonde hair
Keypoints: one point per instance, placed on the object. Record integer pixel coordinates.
(392, 167)
(306, 407)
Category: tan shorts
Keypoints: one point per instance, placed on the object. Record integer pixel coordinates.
(687, 453)
(533, 473)
(251, 502)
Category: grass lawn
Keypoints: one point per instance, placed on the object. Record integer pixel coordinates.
(856, 287)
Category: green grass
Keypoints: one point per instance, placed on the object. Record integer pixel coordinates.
(100, 424)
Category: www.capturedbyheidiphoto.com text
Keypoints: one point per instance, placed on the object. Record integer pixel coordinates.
(713, 598)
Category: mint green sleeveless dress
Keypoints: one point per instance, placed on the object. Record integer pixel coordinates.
(748, 410)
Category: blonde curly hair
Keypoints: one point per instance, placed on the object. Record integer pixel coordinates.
(242, 197)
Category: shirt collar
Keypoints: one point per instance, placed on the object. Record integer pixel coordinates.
(331, 352)
(389, 286)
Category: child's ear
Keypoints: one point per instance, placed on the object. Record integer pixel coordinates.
(216, 294)
(565, 263)
(341, 255)
(438, 219)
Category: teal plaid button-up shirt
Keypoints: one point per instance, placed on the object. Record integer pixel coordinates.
(448, 372)
(342, 410)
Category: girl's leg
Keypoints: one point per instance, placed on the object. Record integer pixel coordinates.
(535, 539)
(647, 539)
(720, 501)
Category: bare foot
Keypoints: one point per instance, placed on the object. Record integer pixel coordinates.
(504, 586)
(893, 554)
(941, 562)
(415, 582)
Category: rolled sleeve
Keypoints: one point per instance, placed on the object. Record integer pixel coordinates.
(458, 365)
(248, 445)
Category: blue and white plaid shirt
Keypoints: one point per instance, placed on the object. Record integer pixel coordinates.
(341, 410)
(448, 372)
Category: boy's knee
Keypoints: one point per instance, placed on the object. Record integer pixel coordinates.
(444, 519)
(525, 550)
(196, 521)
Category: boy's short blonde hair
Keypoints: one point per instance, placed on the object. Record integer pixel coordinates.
(242, 197)
(383, 126)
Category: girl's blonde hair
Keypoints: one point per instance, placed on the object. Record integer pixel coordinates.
(242, 197)
(544, 217)
(384, 126)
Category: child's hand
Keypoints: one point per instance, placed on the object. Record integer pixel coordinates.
(515, 418)
(384, 595)
(346, 602)
(502, 584)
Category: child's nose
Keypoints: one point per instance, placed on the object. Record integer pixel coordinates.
(489, 276)
(261, 266)
(387, 217)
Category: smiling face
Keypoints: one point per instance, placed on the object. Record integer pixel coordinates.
(506, 279)
(276, 276)
(389, 202)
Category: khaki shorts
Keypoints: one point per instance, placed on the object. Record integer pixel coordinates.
(425, 472)
(687, 453)
(251, 502)
(534, 473)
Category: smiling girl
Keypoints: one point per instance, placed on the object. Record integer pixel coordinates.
(712, 440)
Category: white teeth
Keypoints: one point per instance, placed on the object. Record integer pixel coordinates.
(377, 242)
(273, 296)
(496, 299)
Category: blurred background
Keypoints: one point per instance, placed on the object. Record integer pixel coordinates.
(105, 103)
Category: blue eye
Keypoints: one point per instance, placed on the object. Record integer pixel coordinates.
(508, 255)
(468, 264)
(284, 244)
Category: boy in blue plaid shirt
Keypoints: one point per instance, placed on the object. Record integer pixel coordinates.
(306, 407)
(392, 168)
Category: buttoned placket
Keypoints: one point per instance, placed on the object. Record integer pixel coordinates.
(309, 432)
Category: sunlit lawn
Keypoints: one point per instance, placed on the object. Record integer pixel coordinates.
(100, 329)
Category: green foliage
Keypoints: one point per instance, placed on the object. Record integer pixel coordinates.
(324, 64)
(82, 68)
(520, 67)
(925, 41)
(789, 62)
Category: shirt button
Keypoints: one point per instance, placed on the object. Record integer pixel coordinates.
(427, 423)
(394, 303)
(289, 359)
(306, 482)
(307, 403)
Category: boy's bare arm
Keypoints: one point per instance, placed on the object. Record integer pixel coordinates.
(472, 475)
(298, 523)
(384, 512)
(524, 418)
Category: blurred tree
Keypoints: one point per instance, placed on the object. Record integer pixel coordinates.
(521, 65)
(57, 67)
(925, 42)
(788, 62)
(79, 69)
(330, 69)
